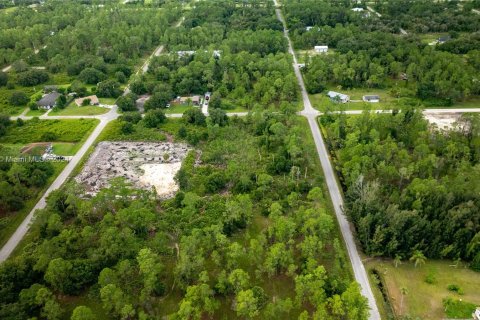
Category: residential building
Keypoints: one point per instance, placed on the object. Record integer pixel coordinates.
(48, 101)
(321, 49)
(194, 100)
(476, 314)
(93, 100)
(338, 97)
(443, 39)
(371, 98)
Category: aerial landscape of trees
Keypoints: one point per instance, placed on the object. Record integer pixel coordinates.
(409, 188)
(249, 234)
(248, 230)
(366, 56)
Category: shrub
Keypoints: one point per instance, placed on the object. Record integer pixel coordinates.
(154, 118)
(133, 117)
(49, 136)
(194, 116)
(455, 288)
(18, 98)
(430, 278)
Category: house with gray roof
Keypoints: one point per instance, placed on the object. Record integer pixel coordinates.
(48, 101)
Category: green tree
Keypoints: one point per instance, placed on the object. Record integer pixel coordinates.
(246, 304)
(418, 258)
(18, 98)
(58, 275)
(108, 89)
(218, 117)
(154, 118)
(3, 79)
(127, 102)
(239, 280)
(82, 313)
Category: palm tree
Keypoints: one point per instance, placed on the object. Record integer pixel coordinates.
(418, 257)
(397, 260)
(404, 292)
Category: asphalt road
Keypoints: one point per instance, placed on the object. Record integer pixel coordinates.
(311, 114)
(62, 177)
(22, 229)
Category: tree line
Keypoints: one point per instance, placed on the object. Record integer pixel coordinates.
(409, 187)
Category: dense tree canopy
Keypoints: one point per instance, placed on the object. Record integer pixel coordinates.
(410, 187)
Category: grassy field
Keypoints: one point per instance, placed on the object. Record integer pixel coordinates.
(65, 148)
(73, 130)
(177, 109)
(6, 107)
(73, 110)
(320, 101)
(107, 101)
(35, 113)
(424, 300)
(113, 133)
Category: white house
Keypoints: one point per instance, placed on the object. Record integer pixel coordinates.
(308, 28)
(476, 314)
(357, 9)
(371, 98)
(321, 49)
(340, 97)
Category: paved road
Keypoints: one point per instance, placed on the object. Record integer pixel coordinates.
(371, 10)
(62, 177)
(311, 114)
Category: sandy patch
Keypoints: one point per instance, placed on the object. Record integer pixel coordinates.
(161, 176)
(444, 121)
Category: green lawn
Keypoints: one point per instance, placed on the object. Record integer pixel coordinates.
(320, 101)
(65, 148)
(107, 101)
(113, 132)
(35, 113)
(177, 109)
(73, 110)
(422, 299)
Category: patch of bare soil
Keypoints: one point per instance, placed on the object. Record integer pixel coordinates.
(144, 164)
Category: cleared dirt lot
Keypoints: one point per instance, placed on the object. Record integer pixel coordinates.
(144, 164)
(444, 121)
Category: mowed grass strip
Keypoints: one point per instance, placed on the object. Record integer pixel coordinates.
(74, 110)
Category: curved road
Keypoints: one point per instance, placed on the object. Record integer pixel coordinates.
(311, 114)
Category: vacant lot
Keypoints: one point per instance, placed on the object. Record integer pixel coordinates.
(143, 164)
(424, 300)
(74, 110)
(49, 131)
